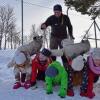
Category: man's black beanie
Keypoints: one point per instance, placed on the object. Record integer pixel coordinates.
(57, 8)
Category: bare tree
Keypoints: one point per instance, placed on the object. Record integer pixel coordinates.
(9, 23)
(25, 39)
(13, 37)
(90, 7)
(2, 24)
(8, 27)
(16, 40)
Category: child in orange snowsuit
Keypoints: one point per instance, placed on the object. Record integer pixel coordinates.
(39, 65)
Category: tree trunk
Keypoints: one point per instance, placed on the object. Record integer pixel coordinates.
(1, 42)
(11, 43)
(15, 44)
(8, 44)
(5, 42)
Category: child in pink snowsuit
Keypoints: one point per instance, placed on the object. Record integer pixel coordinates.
(93, 72)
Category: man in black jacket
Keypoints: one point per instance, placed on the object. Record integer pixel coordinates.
(59, 24)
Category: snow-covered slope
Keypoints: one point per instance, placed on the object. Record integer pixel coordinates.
(7, 81)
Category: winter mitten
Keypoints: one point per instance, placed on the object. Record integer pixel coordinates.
(62, 93)
(17, 85)
(33, 85)
(70, 93)
(27, 84)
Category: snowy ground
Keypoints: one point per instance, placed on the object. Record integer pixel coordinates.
(7, 80)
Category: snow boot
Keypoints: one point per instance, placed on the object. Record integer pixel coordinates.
(83, 94)
(90, 95)
(70, 93)
(27, 84)
(17, 85)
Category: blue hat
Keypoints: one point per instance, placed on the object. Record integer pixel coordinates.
(46, 52)
(57, 7)
(51, 71)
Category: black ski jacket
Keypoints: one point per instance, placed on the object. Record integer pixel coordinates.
(59, 26)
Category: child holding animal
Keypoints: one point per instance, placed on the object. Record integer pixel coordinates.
(22, 62)
(22, 71)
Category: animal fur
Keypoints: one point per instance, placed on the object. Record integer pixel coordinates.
(28, 49)
(73, 49)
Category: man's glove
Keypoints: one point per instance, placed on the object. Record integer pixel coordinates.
(62, 93)
(43, 26)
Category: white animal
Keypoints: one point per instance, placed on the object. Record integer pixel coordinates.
(72, 49)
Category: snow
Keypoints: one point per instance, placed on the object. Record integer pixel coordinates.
(7, 81)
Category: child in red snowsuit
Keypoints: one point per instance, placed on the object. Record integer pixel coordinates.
(39, 65)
